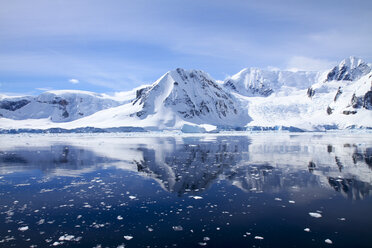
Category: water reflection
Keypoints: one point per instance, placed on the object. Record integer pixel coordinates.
(192, 164)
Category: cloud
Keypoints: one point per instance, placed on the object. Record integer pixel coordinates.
(119, 44)
(74, 81)
(300, 63)
(44, 88)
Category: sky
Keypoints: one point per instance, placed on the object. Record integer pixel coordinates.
(116, 45)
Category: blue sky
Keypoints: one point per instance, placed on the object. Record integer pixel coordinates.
(114, 45)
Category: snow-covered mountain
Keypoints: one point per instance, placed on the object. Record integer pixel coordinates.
(192, 96)
(339, 98)
(257, 82)
(59, 106)
(192, 101)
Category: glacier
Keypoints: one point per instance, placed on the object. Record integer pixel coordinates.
(192, 101)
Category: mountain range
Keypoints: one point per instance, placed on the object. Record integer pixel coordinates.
(192, 101)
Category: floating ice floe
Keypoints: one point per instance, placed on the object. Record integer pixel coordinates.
(196, 197)
(66, 237)
(132, 197)
(177, 228)
(40, 222)
(258, 237)
(204, 128)
(23, 228)
(119, 217)
(277, 199)
(292, 202)
(328, 241)
(315, 215)
(307, 229)
(128, 237)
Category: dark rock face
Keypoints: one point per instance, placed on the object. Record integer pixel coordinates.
(329, 110)
(349, 70)
(367, 104)
(13, 105)
(65, 114)
(261, 90)
(356, 102)
(310, 92)
(339, 74)
(141, 95)
(338, 93)
(348, 112)
(230, 84)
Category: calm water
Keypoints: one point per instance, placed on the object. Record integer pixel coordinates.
(260, 190)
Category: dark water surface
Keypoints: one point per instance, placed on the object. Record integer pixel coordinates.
(258, 190)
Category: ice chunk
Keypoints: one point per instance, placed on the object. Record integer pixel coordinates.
(328, 241)
(186, 128)
(196, 197)
(132, 197)
(128, 237)
(203, 128)
(40, 222)
(258, 237)
(315, 215)
(307, 229)
(23, 228)
(177, 228)
(119, 217)
(66, 237)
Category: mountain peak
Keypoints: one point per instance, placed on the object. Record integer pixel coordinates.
(189, 95)
(349, 69)
(352, 62)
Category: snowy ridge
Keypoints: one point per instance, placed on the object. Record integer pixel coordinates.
(191, 101)
(58, 106)
(349, 69)
(257, 82)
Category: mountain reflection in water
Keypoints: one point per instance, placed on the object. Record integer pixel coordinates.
(194, 163)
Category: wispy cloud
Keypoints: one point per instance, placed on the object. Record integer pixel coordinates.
(73, 81)
(300, 63)
(44, 88)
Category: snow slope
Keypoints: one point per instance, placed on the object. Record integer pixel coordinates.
(257, 82)
(191, 100)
